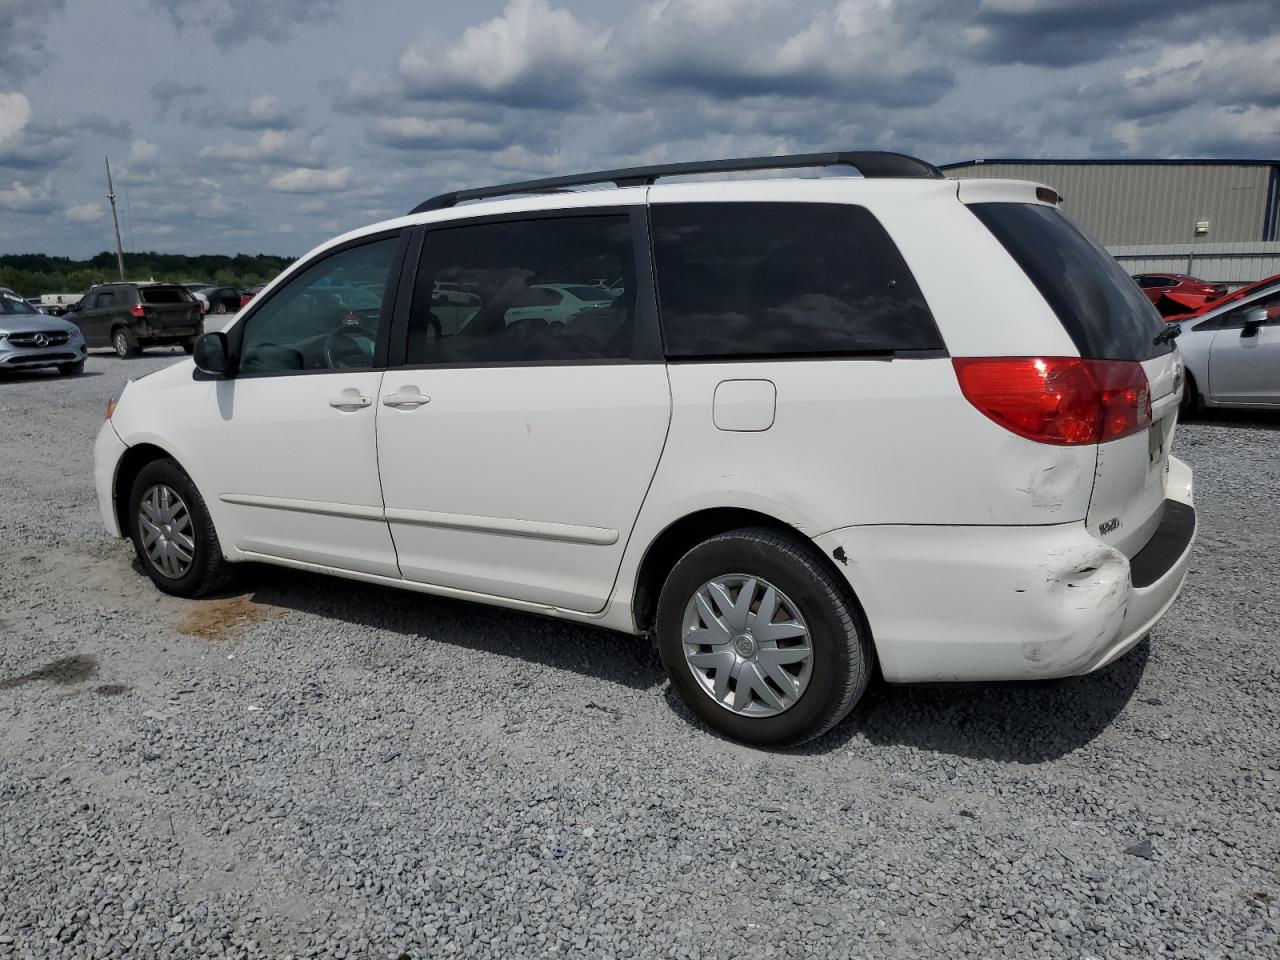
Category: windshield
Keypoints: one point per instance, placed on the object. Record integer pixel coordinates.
(9, 304)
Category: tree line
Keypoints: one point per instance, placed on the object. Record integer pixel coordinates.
(33, 274)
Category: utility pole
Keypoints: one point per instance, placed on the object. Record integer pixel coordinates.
(111, 195)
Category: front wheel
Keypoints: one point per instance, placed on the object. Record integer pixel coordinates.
(173, 533)
(761, 639)
(71, 369)
(1190, 403)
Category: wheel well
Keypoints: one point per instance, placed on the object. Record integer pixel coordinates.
(131, 464)
(677, 540)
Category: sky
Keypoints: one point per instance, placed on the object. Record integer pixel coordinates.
(268, 126)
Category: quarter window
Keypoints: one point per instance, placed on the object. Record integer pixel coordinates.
(520, 291)
(783, 279)
(325, 318)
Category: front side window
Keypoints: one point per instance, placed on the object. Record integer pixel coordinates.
(326, 317)
(519, 291)
(1239, 316)
(783, 279)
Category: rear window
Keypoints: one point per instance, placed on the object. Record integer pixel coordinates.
(165, 295)
(1105, 313)
(783, 279)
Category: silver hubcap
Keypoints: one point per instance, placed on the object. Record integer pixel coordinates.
(747, 645)
(167, 536)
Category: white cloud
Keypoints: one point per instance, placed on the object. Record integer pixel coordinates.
(311, 180)
(19, 197)
(271, 145)
(531, 54)
(143, 153)
(15, 113)
(85, 212)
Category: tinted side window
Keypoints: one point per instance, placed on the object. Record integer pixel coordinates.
(105, 299)
(783, 279)
(325, 318)
(1100, 307)
(518, 291)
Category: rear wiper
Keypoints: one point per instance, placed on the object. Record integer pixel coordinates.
(1172, 331)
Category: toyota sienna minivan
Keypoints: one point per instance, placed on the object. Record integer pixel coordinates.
(818, 425)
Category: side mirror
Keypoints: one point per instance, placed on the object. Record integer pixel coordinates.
(211, 354)
(1253, 320)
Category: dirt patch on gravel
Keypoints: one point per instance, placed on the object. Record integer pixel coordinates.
(222, 619)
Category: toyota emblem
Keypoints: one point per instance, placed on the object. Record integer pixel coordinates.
(41, 340)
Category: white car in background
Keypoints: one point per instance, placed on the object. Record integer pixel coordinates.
(827, 423)
(1232, 354)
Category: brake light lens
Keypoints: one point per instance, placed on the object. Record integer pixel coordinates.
(1065, 401)
(137, 310)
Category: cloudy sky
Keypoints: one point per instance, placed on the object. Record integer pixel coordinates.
(269, 125)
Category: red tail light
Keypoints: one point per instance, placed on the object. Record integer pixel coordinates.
(137, 310)
(1060, 400)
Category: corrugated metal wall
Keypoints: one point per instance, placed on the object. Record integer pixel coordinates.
(1234, 264)
(1130, 204)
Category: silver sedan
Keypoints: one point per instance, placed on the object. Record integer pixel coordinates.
(1232, 354)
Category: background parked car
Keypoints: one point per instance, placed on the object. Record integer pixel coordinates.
(220, 299)
(250, 294)
(1232, 354)
(1235, 296)
(1174, 293)
(30, 339)
(131, 316)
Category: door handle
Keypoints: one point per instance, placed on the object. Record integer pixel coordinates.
(348, 402)
(404, 401)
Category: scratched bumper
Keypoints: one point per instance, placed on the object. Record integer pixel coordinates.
(1002, 603)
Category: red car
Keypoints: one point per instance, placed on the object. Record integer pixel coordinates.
(1174, 293)
(1234, 295)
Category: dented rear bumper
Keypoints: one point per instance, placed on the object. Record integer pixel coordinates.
(977, 603)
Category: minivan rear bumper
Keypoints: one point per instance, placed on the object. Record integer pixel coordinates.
(978, 603)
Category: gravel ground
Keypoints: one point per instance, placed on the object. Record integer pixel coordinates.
(321, 768)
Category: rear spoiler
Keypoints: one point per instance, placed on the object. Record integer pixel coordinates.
(971, 190)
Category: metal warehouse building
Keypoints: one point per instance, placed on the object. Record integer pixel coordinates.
(1216, 219)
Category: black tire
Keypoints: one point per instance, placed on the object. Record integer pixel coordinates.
(189, 346)
(1191, 403)
(124, 343)
(209, 571)
(843, 656)
(71, 369)
(220, 307)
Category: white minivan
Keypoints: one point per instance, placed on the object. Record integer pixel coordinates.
(819, 424)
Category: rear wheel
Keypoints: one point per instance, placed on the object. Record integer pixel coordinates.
(173, 533)
(219, 307)
(760, 639)
(123, 341)
(189, 345)
(71, 369)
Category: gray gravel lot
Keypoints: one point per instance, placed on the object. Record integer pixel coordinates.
(320, 768)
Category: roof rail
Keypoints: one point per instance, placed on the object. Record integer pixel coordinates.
(870, 163)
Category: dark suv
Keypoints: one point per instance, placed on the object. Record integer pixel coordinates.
(130, 316)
